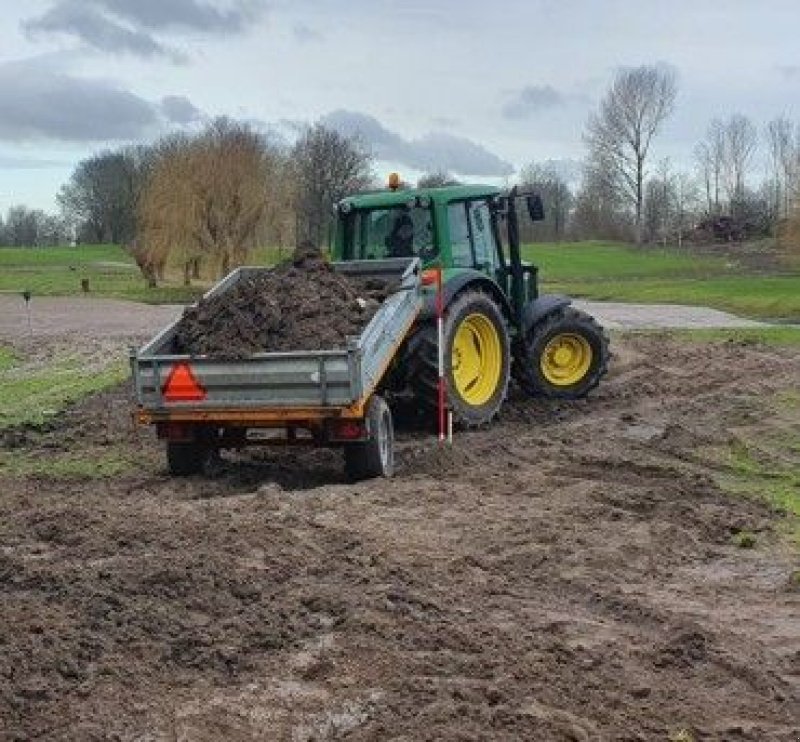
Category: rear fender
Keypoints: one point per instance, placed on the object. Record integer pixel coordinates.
(467, 279)
(535, 311)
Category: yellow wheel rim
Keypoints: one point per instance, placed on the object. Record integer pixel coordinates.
(566, 359)
(477, 359)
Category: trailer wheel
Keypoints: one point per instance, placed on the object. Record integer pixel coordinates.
(375, 456)
(186, 458)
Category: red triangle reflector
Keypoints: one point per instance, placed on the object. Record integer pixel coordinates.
(182, 386)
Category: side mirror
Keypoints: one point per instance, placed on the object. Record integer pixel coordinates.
(535, 208)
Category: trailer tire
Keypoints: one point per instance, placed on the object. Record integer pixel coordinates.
(375, 456)
(186, 458)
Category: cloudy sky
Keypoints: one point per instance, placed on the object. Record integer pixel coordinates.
(478, 88)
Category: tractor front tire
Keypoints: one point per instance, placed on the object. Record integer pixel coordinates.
(564, 356)
(375, 456)
(477, 360)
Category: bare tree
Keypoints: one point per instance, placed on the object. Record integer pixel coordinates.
(687, 204)
(21, 227)
(279, 219)
(327, 167)
(620, 134)
(659, 203)
(100, 199)
(600, 210)
(783, 143)
(167, 214)
(206, 198)
(789, 235)
(25, 227)
(558, 202)
(741, 138)
(436, 179)
(710, 158)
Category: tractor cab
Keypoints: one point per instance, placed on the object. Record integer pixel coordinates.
(456, 228)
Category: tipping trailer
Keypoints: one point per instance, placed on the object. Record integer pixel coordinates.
(200, 405)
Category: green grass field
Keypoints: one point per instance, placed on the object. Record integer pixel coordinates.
(594, 270)
(58, 271)
(770, 297)
(767, 466)
(7, 358)
(32, 392)
(614, 272)
(604, 261)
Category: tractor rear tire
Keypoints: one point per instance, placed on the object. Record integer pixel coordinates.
(477, 360)
(185, 458)
(375, 456)
(564, 356)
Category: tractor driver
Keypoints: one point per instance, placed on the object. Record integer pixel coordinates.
(401, 239)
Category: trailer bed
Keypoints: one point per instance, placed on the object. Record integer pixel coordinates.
(270, 387)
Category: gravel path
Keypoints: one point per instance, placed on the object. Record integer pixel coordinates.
(65, 315)
(619, 316)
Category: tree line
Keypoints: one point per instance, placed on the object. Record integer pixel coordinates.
(24, 227)
(204, 200)
(627, 194)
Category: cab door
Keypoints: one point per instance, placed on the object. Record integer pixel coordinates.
(473, 238)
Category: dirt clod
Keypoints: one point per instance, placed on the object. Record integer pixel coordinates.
(303, 304)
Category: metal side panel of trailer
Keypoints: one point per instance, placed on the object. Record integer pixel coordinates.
(314, 378)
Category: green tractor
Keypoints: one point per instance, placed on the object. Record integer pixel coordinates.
(496, 323)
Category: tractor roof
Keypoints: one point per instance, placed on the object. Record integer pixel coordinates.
(442, 195)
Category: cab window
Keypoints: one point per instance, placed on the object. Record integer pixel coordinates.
(483, 237)
(472, 239)
(460, 243)
(397, 232)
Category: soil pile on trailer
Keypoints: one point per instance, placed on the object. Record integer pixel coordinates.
(301, 305)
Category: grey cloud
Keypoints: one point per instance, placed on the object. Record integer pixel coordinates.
(368, 128)
(96, 30)
(180, 110)
(305, 34)
(441, 151)
(131, 26)
(790, 71)
(434, 151)
(192, 15)
(531, 100)
(37, 103)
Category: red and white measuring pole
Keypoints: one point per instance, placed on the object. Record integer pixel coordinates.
(440, 345)
(433, 277)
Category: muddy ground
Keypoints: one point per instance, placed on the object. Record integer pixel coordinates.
(567, 574)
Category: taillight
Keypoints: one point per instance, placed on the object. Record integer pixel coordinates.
(348, 430)
(175, 431)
